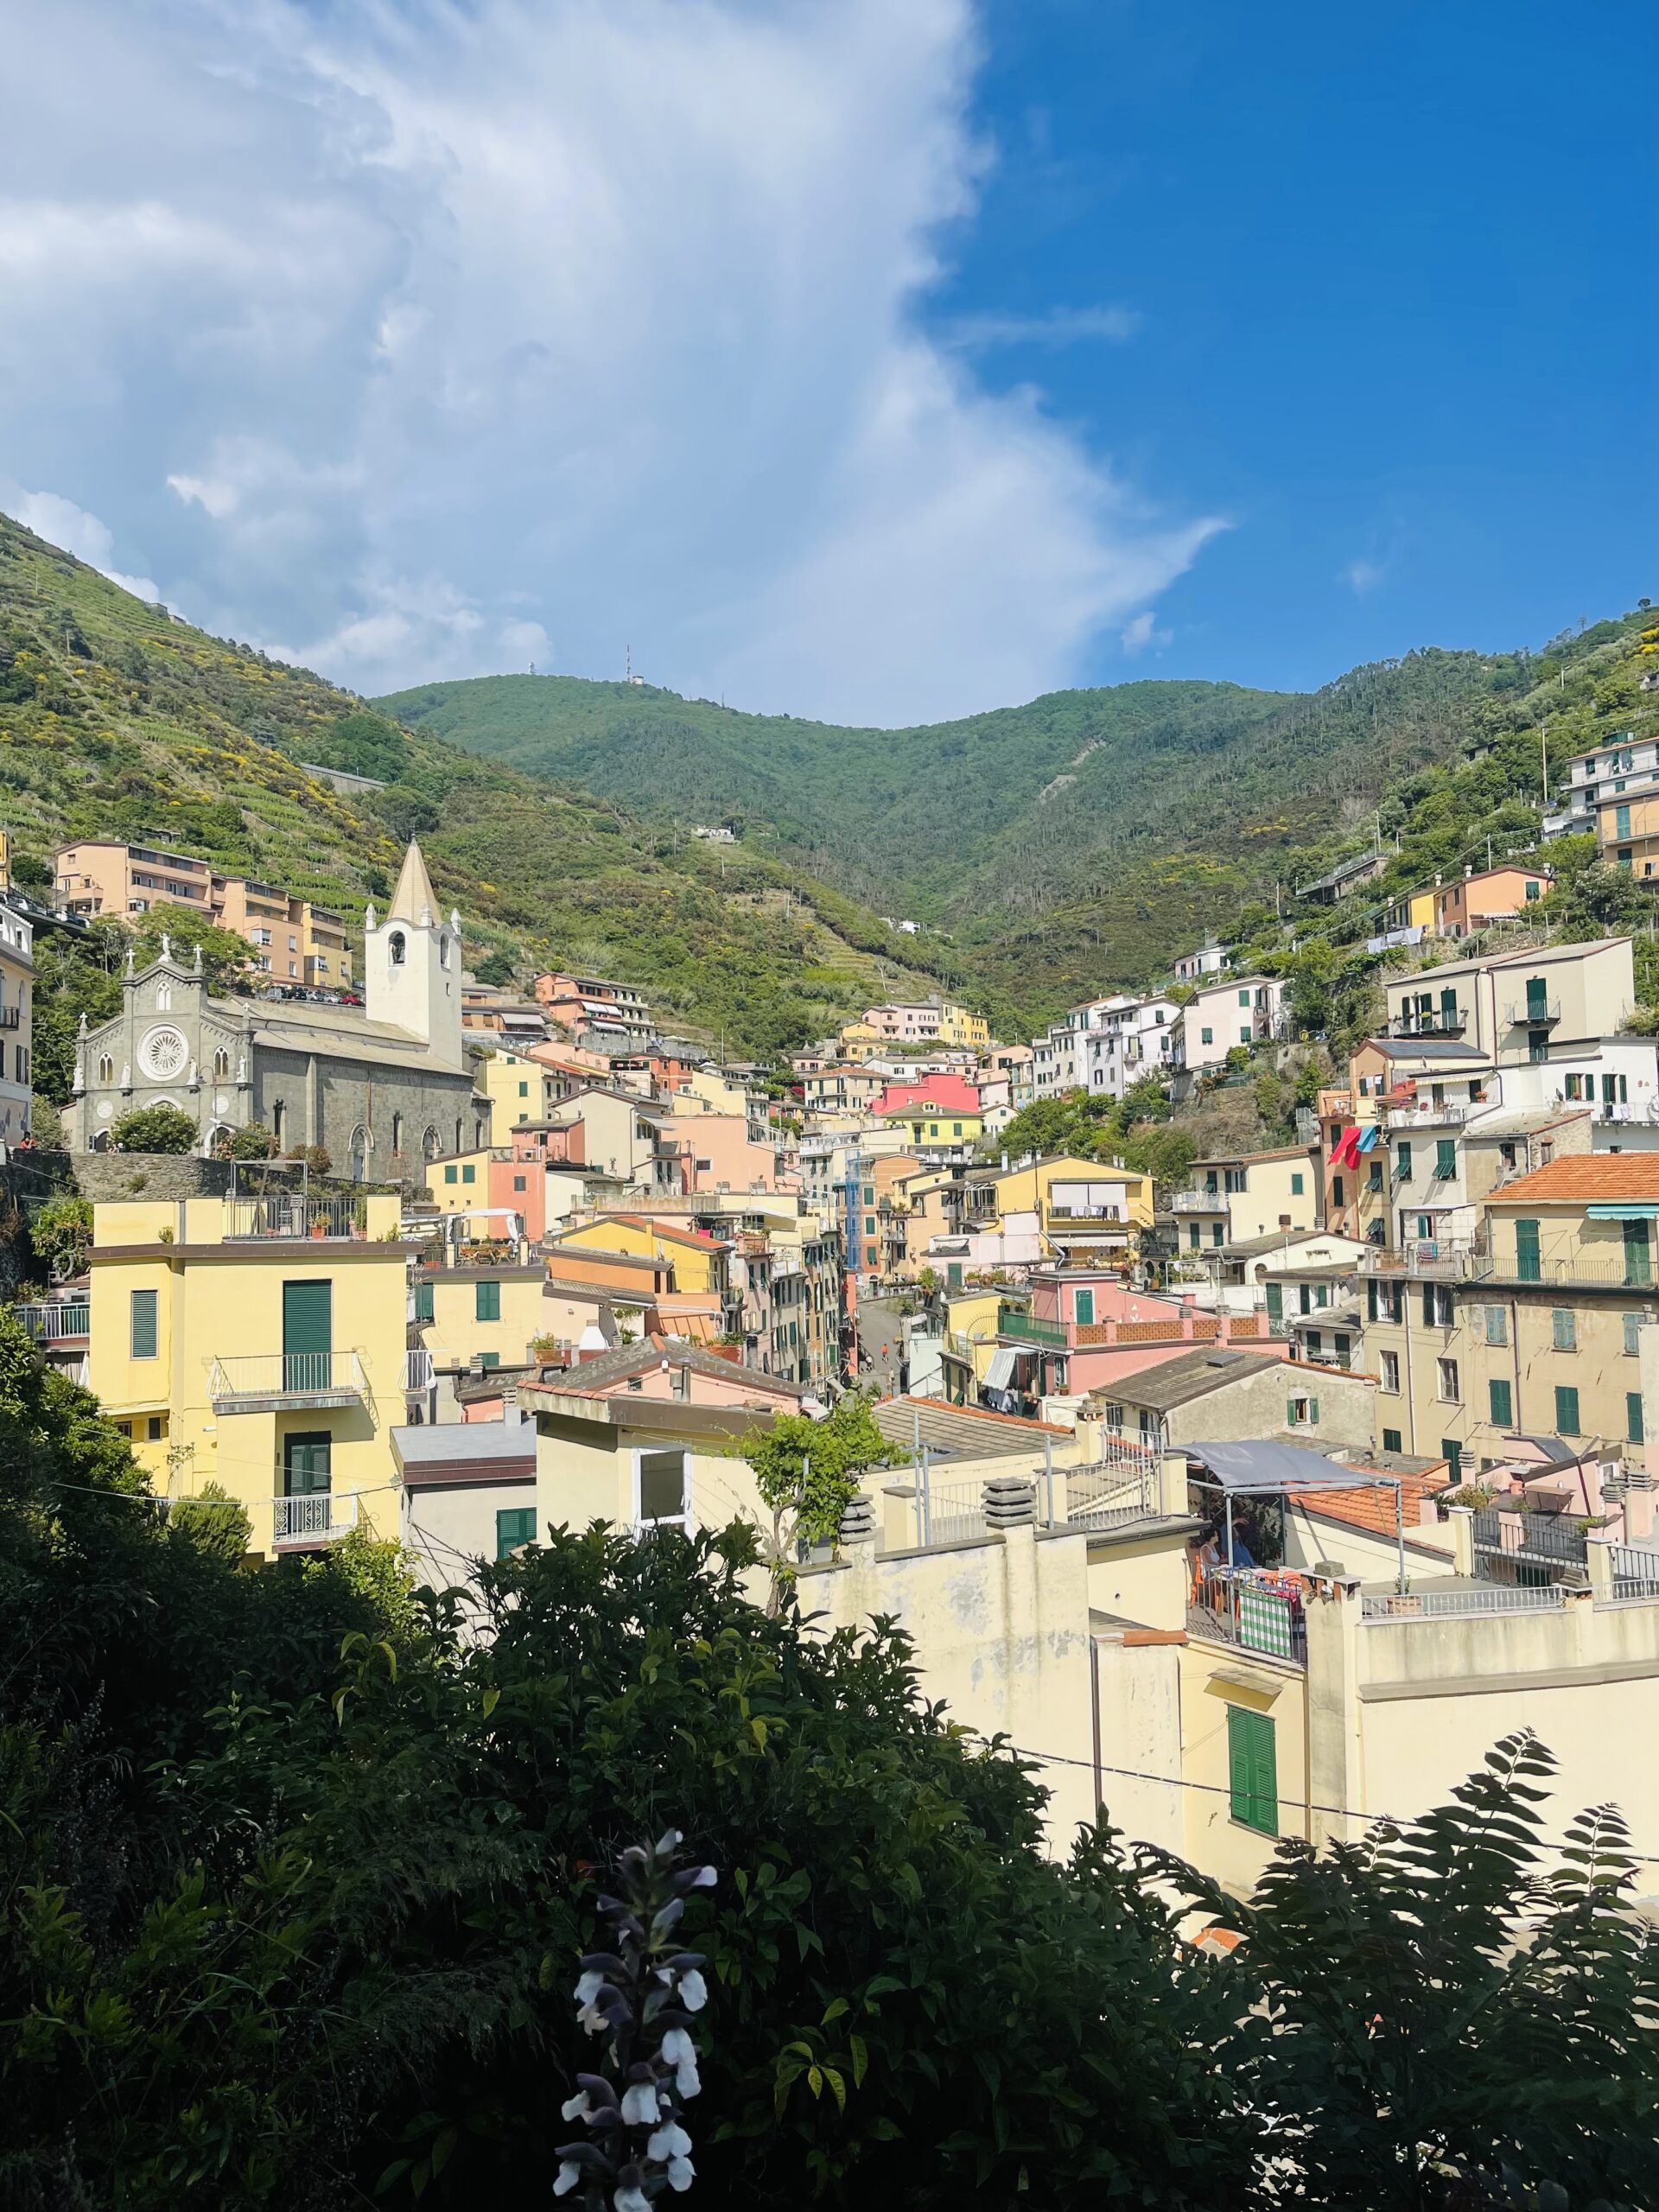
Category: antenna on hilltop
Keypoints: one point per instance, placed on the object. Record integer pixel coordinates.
(629, 677)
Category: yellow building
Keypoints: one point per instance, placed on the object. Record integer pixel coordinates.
(517, 1090)
(462, 1184)
(927, 1128)
(1627, 831)
(468, 1314)
(699, 1263)
(257, 1344)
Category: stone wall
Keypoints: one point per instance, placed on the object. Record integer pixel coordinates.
(103, 1176)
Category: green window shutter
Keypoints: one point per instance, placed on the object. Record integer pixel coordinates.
(1085, 1309)
(514, 1525)
(1276, 1301)
(1295, 1186)
(487, 1301)
(1564, 1328)
(423, 1301)
(1428, 1306)
(1391, 1439)
(1633, 1416)
(1312, 1412)
(1622, 821)
(449, 1174)
(1402, 1159)
(1290, 1412)
(1452, 1453)
(1253, 1770)
(1633, 1333)
(1502, 1414)
(469, 1173)
(1638, 1259)
(145, 1303)
(523, 1090)
(1566, 1410)
(489, 1359)
(1445, 1158)
(1528, 1267)
(1344, 1350)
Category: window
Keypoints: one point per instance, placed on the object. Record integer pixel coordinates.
(1216, 1233)
(1621, 821)
(520, 1182)
(1633, 1333)
(1374, 1177)
(1301, 1413)
(1564, 1327)
(398, 947)
(1345, 1348)
(869, 1255)
(423, 1301)
(1295, 1186)
(1566, 1410)
(106, 1069)
(487, 1301)
(1315, 1344)
(1452, 1453)
(514, 1525)
(1252, 1769)
(1276, 1302)
(1638, 1257)
(396, 1132)
(523, 1090)
(1436, 1306)
(1193, 1238)
(143, 1323)
(661, 1490)
(1402, 1161)
(1503, 1412)
(1390, 1376)
(1391, 1440)
(956, 1128)
(489, 1358)
(1633, 1415)
(154, 1424)
(221, 1065)
(1337, 1190)
(450, 1173)
(1207, 1036)
(1446, 1370)
(1446, 1159)
(1083, 1308)
(468, 1173)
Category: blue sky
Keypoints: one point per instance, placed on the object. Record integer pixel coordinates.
(1395, 289)
(872, 359)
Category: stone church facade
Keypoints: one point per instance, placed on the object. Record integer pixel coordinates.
(382, 1088)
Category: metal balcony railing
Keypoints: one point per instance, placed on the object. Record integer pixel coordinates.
(1547, 1539)
(1441, 1022)
(1012, 1323)
(268, 1380)
(1630, 1269)
(1198, 1201)
(1533, 1013)
(49, 1325)
(1247, 1609)
(291, 1214)
(302, 1520)
(1441, 1258)
(1425, 1114)
(11, 1017)
(1443, 1604)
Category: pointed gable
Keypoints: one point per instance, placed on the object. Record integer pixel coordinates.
(414, 900)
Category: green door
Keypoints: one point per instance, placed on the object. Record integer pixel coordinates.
(1528, 1267)
(1538, 999)
(306, 1470)
(308, 1335)
(1638, 1257)
(1276, 1301)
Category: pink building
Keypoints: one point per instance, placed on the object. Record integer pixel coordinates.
(673, 1367)
(1085, 1331)
(948, 1094)
(706, 1152)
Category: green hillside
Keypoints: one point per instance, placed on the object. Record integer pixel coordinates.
(1072, 843)
(118, 720)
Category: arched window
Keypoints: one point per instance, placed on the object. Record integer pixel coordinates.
(163, 998)
(396, 1133)
(278, 1118)
(106, 1068)
(431, 1144)
(398, 946)
(443, 948)
(478, 1132)
(221, 1065)
(360, 1153)
(457, 1133)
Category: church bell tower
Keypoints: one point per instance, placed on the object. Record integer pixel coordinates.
(411, 965)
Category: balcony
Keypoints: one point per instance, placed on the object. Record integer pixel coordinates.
(52, 1325)
(320, 1516)
(1446, 1021)
(1198, 1201)
(1427, 1114)
(11, 1017)
(282, 1381)
(1618, 1269)
(1248, 1609)
(1432, 1603)
(1442, 1259)
(418, 1371)
(290, 1214)
(1022, 1329)
(1534, 1013)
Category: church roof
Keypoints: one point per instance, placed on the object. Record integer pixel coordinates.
(414, 900)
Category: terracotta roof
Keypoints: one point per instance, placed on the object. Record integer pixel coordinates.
(1374, 1508)
(591, 1378)
(1609, 1175)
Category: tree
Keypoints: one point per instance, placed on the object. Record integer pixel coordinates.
(212, 1520)
(495, 969)
(61, 1233)
(809, 1473)
(73, 978)
(251, 1142)
(155, 1128)
(227, 959)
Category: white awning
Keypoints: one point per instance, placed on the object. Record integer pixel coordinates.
(1000, 1373)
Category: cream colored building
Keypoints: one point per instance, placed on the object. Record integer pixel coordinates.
(1240, 1197)
(258, 1344)
(1536, 1006)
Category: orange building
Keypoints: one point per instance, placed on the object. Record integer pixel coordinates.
(1496, 894)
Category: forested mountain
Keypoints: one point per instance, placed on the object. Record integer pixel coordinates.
(1086, 836)
(118, 720)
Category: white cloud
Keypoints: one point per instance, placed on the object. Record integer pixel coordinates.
(62, 523)
(1362, 575)
(1136, 636)
(1059, 327)
(406, 337)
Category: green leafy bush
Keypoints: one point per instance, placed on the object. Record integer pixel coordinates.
(155, 1128)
